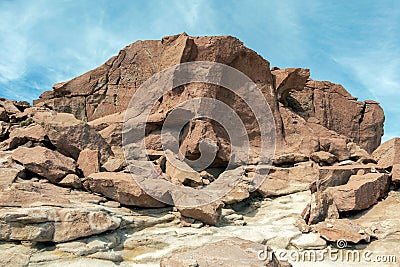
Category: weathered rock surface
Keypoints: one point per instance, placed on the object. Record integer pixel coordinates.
(70, 136)
(209, 213)
(89, 161)
(381, 220)
(360, 192)
(45, 162)
(121, 187)
(20, 136)
(323, 157)
(341, 229)
(388, 154)
(317, 123)
(283, 181)
(241, 253)
(107, 90)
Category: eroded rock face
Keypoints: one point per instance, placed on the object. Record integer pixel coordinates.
(333, 107)
(342, 229)
(305, 104)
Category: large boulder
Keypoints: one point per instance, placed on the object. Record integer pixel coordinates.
(45, 162)
(120, 187)
(360, 192)
(70, 136)
(342, 231)
(209, 213)
(388, 154)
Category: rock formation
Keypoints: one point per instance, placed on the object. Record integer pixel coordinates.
(65, 184)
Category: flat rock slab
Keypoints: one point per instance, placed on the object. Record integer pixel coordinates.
(120, 187)
(361, 191)
(234, 252)
(341, 229)
(45, 162)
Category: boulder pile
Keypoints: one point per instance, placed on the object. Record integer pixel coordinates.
(64, 177)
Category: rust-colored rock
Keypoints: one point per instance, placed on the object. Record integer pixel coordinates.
(342, 230)
(70, 136)
(120, 187)
(241, 253)
(360, 192)
(88, 161)
(209, 213)
(45, 162)
(388, 154)
(323, 157)
(304, 110)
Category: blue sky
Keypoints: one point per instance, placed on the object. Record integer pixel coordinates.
(353, 43)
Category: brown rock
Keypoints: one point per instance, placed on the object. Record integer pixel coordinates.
(333, 107)
(322, 207)
(388, 153)
(182, 173)
(3, 114)
(323, 157)
(8, 176)
(330, 176)
(341, 229)
(71, 180)
(70, 136)
(43, 212)
(311, 108)
(288, 80)
(114, 165)
(289, 159)
(241, 253)
(239, 193)
(381, 220)
(4, 129)
(396, 174)
(88, 161)
(209, 213)
(361, 192)
(120, 187)
(9, 106)
(45, 162)
(21, 135)
(360, 155)
(283, 181)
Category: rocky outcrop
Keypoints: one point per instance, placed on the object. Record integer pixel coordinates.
(96, 209)
(107, 90)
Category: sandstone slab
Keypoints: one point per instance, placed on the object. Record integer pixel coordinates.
(120, 187)
(89, 161)
(361, 191)
(45, 162)
(241, 253)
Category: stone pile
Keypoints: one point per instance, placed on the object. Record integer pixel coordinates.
(64, 179)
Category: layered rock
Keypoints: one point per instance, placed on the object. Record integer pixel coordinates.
(108, 89)
(45, 162)
(121, 187)
(241, 253)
